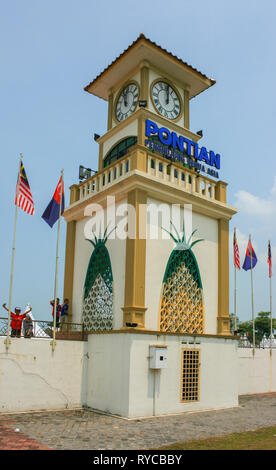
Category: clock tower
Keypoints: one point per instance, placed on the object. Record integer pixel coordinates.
(139, 289)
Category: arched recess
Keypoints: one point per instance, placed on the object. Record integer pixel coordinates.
(97, 307)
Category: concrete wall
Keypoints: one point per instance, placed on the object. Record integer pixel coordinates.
(257, 374)
(108, 373)
(120, 381)
(111, 373)
(218, 384)
(32, 377)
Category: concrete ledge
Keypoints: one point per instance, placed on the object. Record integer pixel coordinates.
(158, 333)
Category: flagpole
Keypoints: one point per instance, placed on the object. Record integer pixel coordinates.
(252, 296)
(235, 298)
(270, 295)
(235, 285)
(7, 340)
(53, 342)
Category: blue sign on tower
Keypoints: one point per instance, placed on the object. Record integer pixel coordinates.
(176, 146)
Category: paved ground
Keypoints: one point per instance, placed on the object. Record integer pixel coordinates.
(83, 430)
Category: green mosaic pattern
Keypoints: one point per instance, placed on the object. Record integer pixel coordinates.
(97, 308)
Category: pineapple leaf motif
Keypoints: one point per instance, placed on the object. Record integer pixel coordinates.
(181, 306)
(97, 308)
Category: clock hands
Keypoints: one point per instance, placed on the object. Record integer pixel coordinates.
(125, 97)
(167, 89)
(166, 100)
(127, 101)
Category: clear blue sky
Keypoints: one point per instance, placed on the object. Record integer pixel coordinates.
(51, 50)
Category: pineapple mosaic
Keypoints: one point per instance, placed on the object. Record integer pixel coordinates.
(97, 308)
(181, 306)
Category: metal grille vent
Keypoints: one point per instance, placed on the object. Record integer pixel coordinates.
(190, 375)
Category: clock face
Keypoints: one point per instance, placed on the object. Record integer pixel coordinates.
(127, 101)
(166, 100)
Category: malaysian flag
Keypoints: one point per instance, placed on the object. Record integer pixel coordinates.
(236, 252)
(23, 196)
(269, 260)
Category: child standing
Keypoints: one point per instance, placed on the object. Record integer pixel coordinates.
(16, 321)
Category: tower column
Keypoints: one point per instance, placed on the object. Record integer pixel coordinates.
(223, 277)
(110, 109)
(187, 108)
(135, 269)
(69, 265)
(144, 74)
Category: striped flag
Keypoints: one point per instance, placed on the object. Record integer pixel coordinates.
(23, 196)
(269, 259)
(236, 252)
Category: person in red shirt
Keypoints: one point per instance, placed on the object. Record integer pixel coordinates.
(16, 321)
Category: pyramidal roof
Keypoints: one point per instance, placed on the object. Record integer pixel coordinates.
(143, 49)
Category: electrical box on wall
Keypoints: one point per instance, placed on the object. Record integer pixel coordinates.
(158, 357)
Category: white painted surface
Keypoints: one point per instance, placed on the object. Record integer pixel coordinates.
(111, 373)
(83, 251)
(108, 373)
(32, 377)
(157, 256)
(257, 373)
(128, 131)
(121, 382)
(117, 253)
(206, 254)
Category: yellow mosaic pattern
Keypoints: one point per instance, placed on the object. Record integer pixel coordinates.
(181, 306)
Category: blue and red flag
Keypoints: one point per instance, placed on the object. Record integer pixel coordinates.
(51, 213)
(269, 259)
(236, 252)
(250, 259)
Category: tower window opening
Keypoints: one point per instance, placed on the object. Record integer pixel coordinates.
(119, 150)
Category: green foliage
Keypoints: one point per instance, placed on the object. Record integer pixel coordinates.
(232, 322)
(262, 327)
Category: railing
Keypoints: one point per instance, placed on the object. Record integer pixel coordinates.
(242, 344)
(156, 167)
(106, 177)
(182, 177)
(44, 329)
